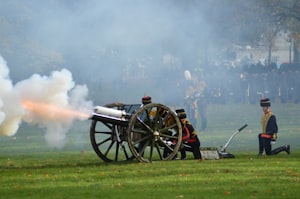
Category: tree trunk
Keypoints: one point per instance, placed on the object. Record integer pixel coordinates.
(269, 53)
(296, 52)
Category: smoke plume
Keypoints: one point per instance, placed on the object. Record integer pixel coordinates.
(51, 102)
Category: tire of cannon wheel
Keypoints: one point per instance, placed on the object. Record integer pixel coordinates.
(147, 136)
(113, 153)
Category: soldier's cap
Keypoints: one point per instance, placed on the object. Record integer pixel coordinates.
(146, 100)
(181, 113)
(265, 102)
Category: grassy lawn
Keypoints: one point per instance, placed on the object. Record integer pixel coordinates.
(30, 169)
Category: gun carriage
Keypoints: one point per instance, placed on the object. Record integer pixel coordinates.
(148, 133)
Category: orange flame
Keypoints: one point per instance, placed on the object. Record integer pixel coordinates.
(51, 112)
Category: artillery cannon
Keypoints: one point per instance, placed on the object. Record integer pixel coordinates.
(148, 133)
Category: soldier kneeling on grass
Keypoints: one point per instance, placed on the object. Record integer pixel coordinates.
(190, 139)
(269, 131)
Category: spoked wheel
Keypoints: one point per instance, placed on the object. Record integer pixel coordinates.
(109, 140)
(154, 133)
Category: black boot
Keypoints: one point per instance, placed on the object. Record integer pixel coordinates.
(280, 149)
(183, 154)
(288, 149)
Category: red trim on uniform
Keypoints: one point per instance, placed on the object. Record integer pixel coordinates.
(193, 139)
(266, 135)
(186, 137)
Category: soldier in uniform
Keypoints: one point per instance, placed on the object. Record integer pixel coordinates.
(269, 131)
(190, 139)
(196, 104)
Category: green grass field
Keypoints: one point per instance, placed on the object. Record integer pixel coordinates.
(31, 169)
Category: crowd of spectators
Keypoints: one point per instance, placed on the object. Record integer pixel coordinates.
(243, 83)
(250, 82)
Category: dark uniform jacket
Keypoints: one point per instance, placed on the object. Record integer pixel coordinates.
(269, 126)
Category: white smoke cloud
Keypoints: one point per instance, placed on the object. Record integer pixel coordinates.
(51, 102)
(10, 113)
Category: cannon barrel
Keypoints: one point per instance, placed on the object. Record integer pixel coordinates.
(110, 112)
(110, 115)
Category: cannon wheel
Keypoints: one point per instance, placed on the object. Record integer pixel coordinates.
(105, 141)
(154, 133)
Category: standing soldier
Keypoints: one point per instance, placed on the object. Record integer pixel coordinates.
(202, 104)
(196, 103)
(191, 104)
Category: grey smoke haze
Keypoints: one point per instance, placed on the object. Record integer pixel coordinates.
(85, 33)
(128, 24)
(99, 41)
(108, 37)
(88, 32)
